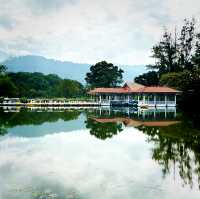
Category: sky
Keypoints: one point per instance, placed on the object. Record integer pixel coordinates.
(88, 31)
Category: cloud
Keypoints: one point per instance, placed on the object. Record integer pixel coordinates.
(77, 163)
(90, 30)
(45, 6)
(7, 22)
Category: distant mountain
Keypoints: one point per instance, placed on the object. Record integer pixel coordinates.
(65, 69)
(3, 56)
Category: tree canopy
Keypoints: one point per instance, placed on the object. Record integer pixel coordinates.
(148, 79)
(104, 74)
(174, 53)
(31, 85)
(2, 69)
(177, 62)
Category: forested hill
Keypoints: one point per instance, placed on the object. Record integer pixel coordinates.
(64, 69)
(31, 85)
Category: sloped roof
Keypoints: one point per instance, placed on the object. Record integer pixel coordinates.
(157, 89)
(109, 90)
(135, 88)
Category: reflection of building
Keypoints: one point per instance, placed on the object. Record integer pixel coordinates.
(136, 123)
(141, 117)
(144, 95)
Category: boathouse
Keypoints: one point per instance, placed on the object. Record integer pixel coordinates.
(143, 95)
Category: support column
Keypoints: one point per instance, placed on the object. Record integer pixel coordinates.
(144, 98)
(100, 98)
(165, 100)
(138, 98)
(165, 112)
(154, 113)
(109, 99)
(175, 112)
(175, 99)
(154, 99)
(128, 97)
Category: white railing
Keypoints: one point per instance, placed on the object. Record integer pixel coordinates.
(158, 103)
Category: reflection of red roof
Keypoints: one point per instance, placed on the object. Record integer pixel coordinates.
(134, 88)
(135, 123)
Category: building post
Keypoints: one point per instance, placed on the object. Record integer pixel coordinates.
(144, 98)
(154, 99)
(128, 97)
(154, 113)
(165, 100)
(175, 99)
(165, 112)
(100, 98)
(138, 98)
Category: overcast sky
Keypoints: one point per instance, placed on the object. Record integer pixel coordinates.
(119, 31)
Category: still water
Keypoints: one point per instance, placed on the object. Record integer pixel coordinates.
(98, 153)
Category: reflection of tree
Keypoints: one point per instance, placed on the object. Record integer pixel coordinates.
(103, 130)
(24, 117)
(177, 145)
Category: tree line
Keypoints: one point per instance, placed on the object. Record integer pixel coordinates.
(32, 85)
(177, 62)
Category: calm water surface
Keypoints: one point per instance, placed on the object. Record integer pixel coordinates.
(98, 154)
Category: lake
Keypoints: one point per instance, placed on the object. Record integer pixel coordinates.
(98, 153)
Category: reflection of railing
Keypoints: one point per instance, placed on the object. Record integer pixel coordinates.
(157, 102)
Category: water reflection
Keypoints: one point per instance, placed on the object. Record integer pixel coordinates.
(135, 139)
(176, 144)
(104, 123)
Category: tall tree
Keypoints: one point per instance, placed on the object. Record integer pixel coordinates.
(104, 74)
(165, 54)
(174, 53)
(186, 41)
(196, 56)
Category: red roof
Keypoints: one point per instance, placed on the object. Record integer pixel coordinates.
(109, 90)
(157, 89)
(135, 88)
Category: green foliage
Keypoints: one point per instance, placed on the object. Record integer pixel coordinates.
(35, 84)
(174, 54)
(165, 54)
(103, 130)
(104, 74)
(32, 85)
(23, 100)
(3, 69)
(24, 117)
(188, 82)
(7, 88)
(196, 56)
(176, 80)
(71, 88)
(186, 46)
(176, 144)
(148, 79)
(177, 63)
